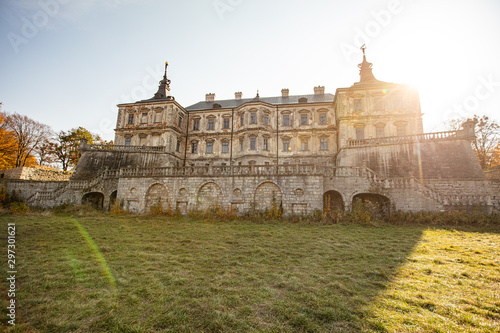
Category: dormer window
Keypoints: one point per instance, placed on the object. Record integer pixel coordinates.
(217, 106)
(302, 100)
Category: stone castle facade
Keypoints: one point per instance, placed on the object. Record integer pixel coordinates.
(305, 152)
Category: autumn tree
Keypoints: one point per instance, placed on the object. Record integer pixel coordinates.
(44, 153)
(28, 134)
(8, 146)
(487, 143)
(65, 147)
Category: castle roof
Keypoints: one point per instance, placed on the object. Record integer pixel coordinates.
(279, 100)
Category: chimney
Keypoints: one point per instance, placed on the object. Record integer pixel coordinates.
(210, 97)
(238, 95)
(319, 90)
(285, 92)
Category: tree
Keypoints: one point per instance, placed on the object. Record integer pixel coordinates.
(487, 143)
(44, 152)
(8, 144)
(65, 147)
(28, 134)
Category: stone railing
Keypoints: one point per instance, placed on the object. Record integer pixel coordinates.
(214, 171)
(451, 135)
(112, 147)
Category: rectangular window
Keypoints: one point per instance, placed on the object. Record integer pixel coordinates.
(253, 118)
(131, 119)
(242, 120)
(211, 124)
(322, 118)
(241, 144)
(266, 144)
(128, 141)
(266, 119)
(286, 145)
(379, 104)
(401, 130)
(194, 148)
(178, 149)
(286, 120)
(210, 147)
(305, 145)
(303, 119)
(226, 123)
(225, 147)
(196, 124)
(358, 105)
(380, 133)
(253, 143)
(323, 144)
(144, 118)
(360, 133)
(180, 122)
(158, 117)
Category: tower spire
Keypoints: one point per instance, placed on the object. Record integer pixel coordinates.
(365, 69)
(164, 87)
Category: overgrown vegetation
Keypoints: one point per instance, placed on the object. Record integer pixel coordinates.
(11, 202)
(97, 272)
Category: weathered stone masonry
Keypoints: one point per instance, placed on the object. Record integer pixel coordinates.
(300, 152)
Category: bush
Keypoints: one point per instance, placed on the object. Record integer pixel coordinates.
(19, 208)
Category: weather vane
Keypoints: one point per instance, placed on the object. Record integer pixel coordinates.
(363, 48)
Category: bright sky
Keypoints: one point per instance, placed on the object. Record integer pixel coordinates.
(67, 63)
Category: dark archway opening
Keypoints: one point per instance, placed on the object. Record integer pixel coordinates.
(94, 199)
(377, 203)
(332, 201)
(112, 199)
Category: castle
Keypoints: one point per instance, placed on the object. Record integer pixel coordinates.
(306, 152)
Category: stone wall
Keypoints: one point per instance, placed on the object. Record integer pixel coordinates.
(452, 159)
(297, 194)
(96, 159)
(39, 174)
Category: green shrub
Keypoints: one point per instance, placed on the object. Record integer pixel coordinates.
(19, 208)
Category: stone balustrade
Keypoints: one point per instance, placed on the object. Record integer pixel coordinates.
(450, 135)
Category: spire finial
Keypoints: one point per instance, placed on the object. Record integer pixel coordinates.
(164, 87)
(365, 68)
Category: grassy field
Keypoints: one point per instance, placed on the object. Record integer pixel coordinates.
(155, 274)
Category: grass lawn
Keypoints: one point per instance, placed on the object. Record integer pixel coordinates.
(156, 274)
